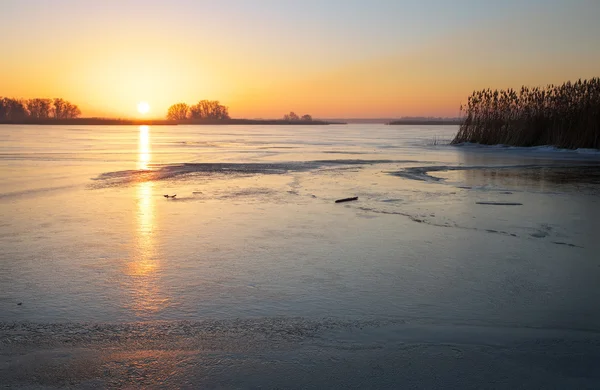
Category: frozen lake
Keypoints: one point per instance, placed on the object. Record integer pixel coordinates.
(462, 239)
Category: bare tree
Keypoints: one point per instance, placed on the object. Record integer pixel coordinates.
(4, 110)
(71, 110)
(209, 109)
(306, 118)
(39, 108)
(58, 109)
(291, 117)
(178, 112)
(12, 109)
(18, 110)
(63, 109)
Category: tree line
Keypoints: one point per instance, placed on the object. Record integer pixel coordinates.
(38, 108)
(214, 110)
(204, 109)
(293, 117)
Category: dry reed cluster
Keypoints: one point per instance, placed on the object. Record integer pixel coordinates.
(565, 116)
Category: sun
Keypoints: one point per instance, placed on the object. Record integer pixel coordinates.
(143, 107)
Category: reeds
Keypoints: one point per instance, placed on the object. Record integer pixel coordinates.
(565, 116)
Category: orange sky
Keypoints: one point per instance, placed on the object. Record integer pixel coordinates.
(107, 59)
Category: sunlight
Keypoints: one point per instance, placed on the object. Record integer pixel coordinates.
(144, 153)
(143, 107)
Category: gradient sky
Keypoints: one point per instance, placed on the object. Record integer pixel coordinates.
(329, 58)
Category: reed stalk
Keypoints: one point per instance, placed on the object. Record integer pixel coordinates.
(565, 116)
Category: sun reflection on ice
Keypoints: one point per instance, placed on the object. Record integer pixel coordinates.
(144, 152)
(143, 269)
(146, 262)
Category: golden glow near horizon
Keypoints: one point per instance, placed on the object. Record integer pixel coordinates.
(399, 58)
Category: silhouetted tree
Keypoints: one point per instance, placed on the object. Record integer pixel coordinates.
(209, 109)
(4, 110)
(12, 109)
(63, 109)
(58, 109)
(178, 112)
(39, 108)
(71, 110)
(291, 117)
(306, 118)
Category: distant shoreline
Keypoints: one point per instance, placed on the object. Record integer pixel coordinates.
(426, 122)
(164, 122)
(235, 121)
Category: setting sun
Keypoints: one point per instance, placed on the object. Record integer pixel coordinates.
(143, 107)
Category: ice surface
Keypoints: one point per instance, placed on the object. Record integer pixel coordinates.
(426, 267)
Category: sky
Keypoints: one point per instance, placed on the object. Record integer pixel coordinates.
(262, 59)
